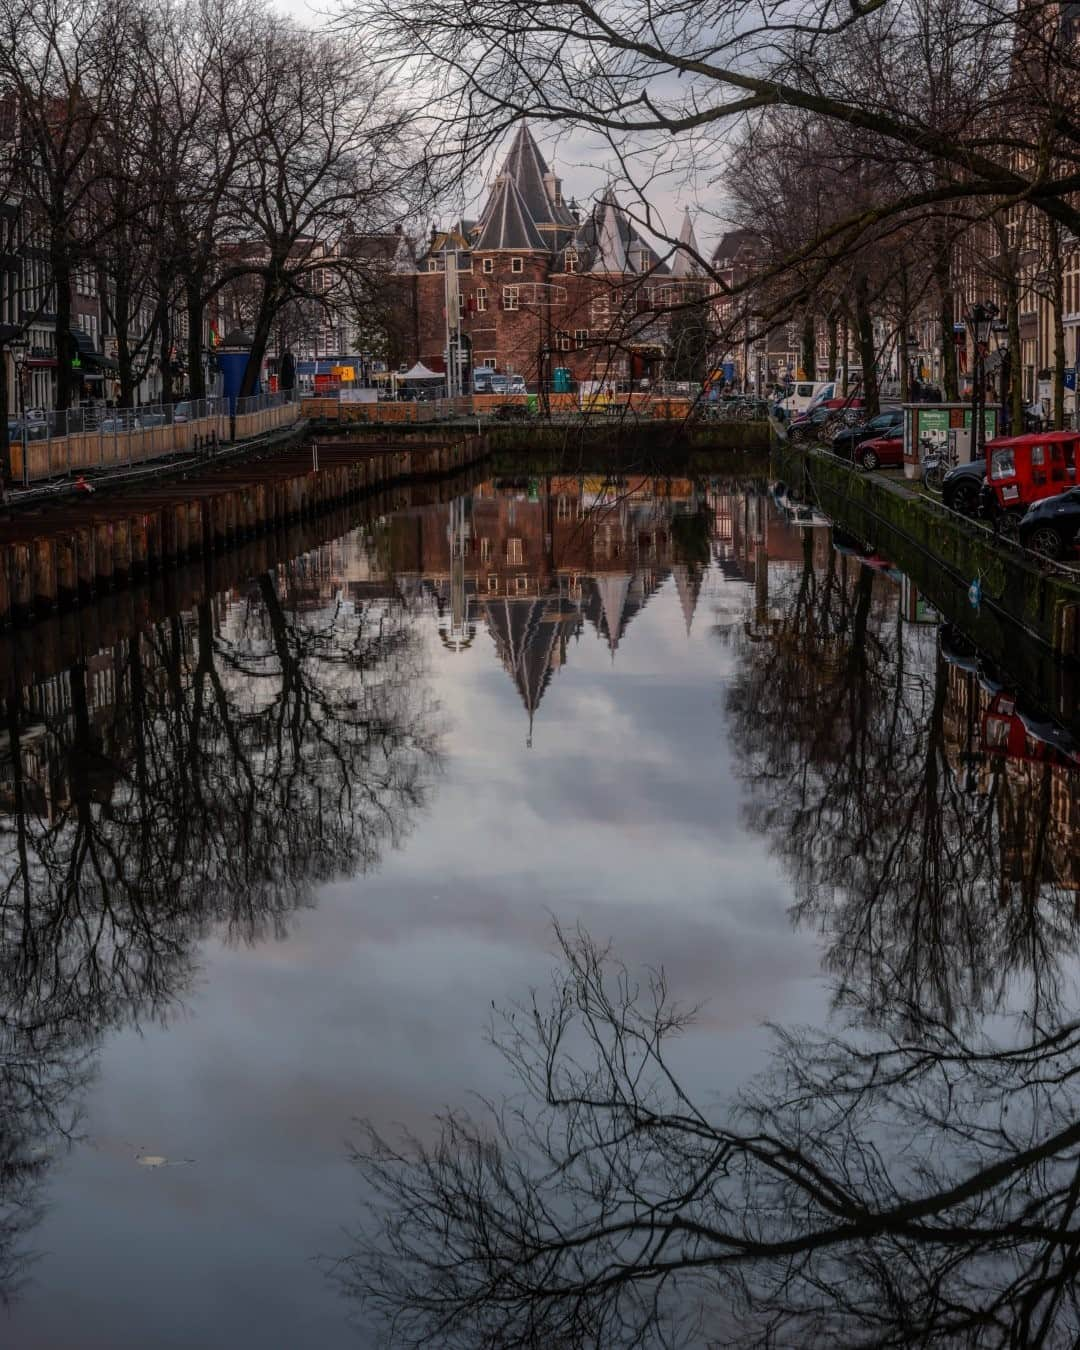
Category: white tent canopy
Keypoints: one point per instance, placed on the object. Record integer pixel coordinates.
(421, 372)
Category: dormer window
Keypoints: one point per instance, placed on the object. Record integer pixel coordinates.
(516, 265)
(571, 259)
(433, 265)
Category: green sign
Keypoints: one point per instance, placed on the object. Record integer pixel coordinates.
(76, 364)
(990, 416)
(933, 420)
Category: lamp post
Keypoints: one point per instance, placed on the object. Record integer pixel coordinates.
(1000, 330)
(979, 320)
(19, 350)
(911, 352)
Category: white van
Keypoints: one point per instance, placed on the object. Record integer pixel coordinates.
(805, 394)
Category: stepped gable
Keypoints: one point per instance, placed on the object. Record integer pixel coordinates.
(540, 189)
(608, 242)
(685, 263)
(508, 225)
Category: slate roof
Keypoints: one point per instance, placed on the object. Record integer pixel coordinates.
(508, 223)
(607, 242)
(685, 264)
(537, 184)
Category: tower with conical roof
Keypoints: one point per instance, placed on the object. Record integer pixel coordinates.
(540, 189)
(685, 265)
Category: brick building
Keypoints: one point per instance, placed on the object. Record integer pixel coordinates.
(536, 284)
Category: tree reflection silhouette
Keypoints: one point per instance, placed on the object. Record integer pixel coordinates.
(869, 1189)
(909, 1176)
(839, 723)
(203, 774)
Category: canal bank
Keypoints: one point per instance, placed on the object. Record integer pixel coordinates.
(944, 552)
(618, 436)
(55, 558)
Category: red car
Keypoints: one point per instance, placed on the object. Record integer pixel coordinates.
(835, 404)
(883, 452)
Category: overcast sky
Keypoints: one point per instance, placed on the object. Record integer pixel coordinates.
(586, 165)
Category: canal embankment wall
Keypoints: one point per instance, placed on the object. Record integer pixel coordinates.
(944, 552)
(598, 435)
(56, 641)
(55, 558)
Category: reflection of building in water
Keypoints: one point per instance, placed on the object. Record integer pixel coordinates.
(553, 560)
(1025, 764)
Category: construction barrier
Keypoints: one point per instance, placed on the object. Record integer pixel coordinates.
(66, 445)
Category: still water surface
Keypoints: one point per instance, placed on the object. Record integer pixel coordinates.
(269, 864)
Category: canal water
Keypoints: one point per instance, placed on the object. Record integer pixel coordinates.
(276, 863)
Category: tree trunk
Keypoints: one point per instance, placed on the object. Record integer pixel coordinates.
(950, 382)
(65, 345)
(260, 336)
(195, 305)
(809, 347)
(1057, 311)
(844, 356)
(867, 355)
(1016, 400)
(5, 440)
(165, 349)
(833, 345)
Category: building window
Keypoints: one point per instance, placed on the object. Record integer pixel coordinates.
(581, 338)
(489, 363)
(571, 259)
(485, 549)
(488, 265)
(481, 299)
(510, 297)
(464, 262)
(514, 551)
(522, 583)
(493, 584)
(516, 265)
(562, 341)
(432, 265)
(460, 305)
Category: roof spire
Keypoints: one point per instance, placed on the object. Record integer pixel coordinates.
(685, 262)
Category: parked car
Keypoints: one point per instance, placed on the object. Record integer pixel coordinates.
(961, 488)
(181, 413)
(880, 452)
(887, 423)
(810, 426)
(517, 384)
(1050, 526)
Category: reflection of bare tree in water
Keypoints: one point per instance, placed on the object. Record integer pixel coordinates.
(910, 1178)
(867, 1190)
(204, 773)
(840, 724)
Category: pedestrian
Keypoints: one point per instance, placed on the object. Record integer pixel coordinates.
(1035, 415)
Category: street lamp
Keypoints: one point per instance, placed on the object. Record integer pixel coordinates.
(19, 349)
(980, 321)
(1000, 330)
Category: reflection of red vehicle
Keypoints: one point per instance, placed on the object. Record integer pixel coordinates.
(881, 452)
(1021, 470)
(1012, 734)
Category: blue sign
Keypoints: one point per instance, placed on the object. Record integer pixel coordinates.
(1070, 377)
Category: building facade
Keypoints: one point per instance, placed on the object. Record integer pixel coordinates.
(537, 285)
